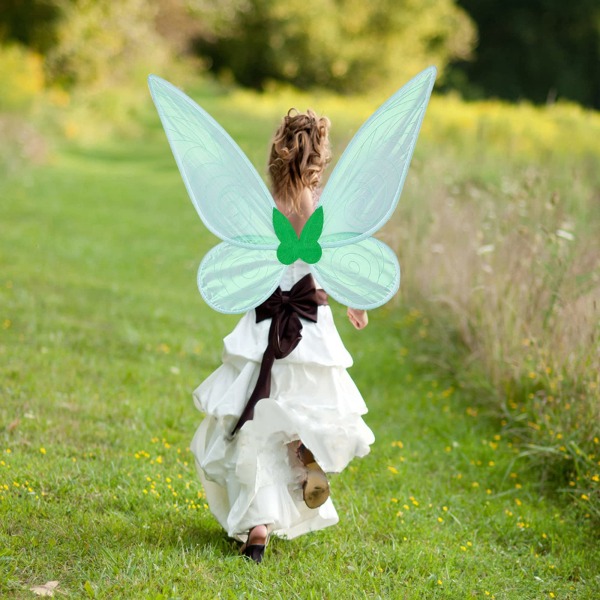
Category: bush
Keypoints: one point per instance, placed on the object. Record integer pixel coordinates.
(105, 44)
(103, 55)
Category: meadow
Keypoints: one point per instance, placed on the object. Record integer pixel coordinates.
(481, 377)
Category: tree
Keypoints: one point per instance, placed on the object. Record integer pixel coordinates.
(31, 23)
(540, 49)
(346, 45)
(102, 44)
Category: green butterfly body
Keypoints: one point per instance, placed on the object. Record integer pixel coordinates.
(292, 247)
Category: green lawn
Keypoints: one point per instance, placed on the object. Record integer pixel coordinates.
(103, 336)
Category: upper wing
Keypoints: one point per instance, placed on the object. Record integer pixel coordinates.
(226, 190)
(365, 186)
(364, 274)
(233, 279)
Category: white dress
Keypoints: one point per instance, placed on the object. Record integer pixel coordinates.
(255, 477)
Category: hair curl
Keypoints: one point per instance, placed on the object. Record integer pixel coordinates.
(299, 154)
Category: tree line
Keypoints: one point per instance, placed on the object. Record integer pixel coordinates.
(540, 50)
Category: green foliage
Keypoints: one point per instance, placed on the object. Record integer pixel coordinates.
(346, 45)
(31, 23)
(103, 54)
(540, 49)
(103, 44)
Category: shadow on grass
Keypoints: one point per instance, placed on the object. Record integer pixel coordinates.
(204, 537)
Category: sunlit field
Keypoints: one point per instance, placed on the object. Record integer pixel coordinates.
(481, 376)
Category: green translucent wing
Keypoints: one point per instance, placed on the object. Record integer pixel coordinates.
(365, 186)
(231, 200)
(234, 204)
(362, 274)
(233, 279)
(361, 195)
(224, 187)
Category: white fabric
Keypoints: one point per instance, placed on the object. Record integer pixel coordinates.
(255, 478)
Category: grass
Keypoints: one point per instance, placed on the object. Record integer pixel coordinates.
(103, 336)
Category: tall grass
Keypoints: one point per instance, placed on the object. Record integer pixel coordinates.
(509, 274)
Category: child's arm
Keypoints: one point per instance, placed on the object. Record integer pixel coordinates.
(358, 317)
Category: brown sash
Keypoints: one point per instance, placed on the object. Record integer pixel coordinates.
(285, 310)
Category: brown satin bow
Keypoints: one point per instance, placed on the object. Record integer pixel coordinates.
(285, 310)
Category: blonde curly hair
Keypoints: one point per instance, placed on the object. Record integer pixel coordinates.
(299, 154)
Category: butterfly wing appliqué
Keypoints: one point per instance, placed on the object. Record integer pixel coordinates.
(291, 247)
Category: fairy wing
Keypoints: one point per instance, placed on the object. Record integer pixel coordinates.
(235, 205)
(231, 199)
(363, 274)
(233, 279)
(361, 195)
(365, 186)
(224, 187)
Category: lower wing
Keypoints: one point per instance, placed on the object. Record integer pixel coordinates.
(364, 274)
(234, 280)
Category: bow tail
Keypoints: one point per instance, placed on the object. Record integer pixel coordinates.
(262, 389)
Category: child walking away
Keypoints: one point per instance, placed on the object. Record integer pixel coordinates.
(269, 477)
(282, 411)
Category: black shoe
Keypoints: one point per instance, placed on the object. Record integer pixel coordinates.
(254, 551)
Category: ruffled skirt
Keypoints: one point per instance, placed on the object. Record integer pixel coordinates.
(255, 477)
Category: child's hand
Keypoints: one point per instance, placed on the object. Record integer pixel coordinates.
(358, 318)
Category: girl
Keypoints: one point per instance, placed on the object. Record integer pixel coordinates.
(269, 476)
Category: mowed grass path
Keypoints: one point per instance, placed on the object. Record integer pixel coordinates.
(103, 336)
